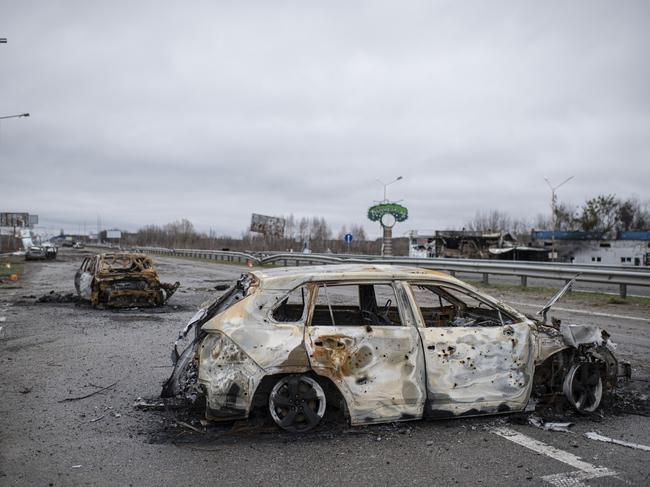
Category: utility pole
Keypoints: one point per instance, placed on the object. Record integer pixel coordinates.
(553, 212)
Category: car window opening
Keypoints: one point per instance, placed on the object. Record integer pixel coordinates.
(291, 308)
(356, 305)
(445, 307)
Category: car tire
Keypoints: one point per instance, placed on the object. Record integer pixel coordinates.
(583, 387)
(297, 403)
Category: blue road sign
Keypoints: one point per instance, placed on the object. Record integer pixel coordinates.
(348, 237)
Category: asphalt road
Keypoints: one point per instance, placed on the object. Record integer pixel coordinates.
(53, 351)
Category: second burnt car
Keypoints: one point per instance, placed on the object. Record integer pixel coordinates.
(121, 280)
(381, 343)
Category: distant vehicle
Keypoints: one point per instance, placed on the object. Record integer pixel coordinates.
(77, 245)
(121, 280)
(67, 243)
(380, 343)
(35, 252)
(51, 250)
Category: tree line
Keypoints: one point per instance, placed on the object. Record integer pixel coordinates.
(602, 214)
(313, 233)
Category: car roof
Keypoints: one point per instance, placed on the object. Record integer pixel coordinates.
(289, 277)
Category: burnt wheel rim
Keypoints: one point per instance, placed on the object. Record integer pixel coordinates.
(297, 403)
(583, 387)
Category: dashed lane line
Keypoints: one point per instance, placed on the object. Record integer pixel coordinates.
(576, 478)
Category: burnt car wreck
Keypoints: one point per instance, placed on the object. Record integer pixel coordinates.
(121, 280)
(381, 344)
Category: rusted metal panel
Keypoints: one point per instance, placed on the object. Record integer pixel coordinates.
(474, 370)
(378, 370)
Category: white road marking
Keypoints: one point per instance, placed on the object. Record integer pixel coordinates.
(583, 312)
(592, 435)
(585, 470)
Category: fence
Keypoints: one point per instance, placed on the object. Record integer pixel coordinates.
(620, 276)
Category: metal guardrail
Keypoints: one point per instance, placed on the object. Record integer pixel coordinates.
(541, 270)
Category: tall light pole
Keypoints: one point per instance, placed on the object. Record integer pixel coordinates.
(15, 116)
(398, 178)
(553, 208)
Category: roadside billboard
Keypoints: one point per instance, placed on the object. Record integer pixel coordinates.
(268, 225)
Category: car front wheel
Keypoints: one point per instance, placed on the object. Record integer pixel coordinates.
(583, 387)
(297, 403)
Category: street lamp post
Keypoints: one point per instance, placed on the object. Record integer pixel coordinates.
(15, 116)
(553, 212)
(388, 184)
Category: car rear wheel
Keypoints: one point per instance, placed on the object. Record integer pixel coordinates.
(297, 403)
(583, 387)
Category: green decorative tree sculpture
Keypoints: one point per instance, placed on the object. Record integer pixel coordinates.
(387, 214)
(398, 211)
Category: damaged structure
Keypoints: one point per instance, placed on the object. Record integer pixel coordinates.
(466, 244)
(380, 343)
(121, 280)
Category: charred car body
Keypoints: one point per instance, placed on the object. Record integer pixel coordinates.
(121, 280)
(383, 343)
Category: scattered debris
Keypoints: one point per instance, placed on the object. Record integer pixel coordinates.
(68, 399)
(148, 405)
(3, 319)
(561, 427)
(25, 390)
(189, 426)
(592, 435)
(76, 466)
(540, 423)
(97, 419)
(221, 287)
(56, 297)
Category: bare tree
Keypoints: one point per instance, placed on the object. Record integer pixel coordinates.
(490, 221)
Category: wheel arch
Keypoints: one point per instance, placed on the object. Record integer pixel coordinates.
(335, 398)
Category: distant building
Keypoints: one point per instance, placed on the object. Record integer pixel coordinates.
(624, 249)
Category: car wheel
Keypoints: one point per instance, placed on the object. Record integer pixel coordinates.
(583, 387)
(297, 403)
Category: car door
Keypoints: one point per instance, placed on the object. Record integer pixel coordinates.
(361, 339)
(479, 358)
(84, 278)
(77, 275)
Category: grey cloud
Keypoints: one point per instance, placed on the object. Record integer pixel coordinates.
(148, 112)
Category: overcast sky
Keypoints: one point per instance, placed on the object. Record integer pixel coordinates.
(150, 112)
